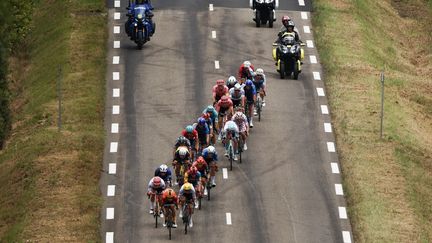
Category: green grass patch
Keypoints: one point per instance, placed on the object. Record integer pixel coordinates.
(389, 181)
(49, 179)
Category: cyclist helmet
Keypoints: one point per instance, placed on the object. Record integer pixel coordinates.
(201, 121)
(247, 64)
(192, 170)
(249, 82)
(231, 126)
(224, 99)
(231, 80)
(259, 71)
(237, 87)
(182, 140)
(169, 193)
(187, 186)
(220, 82)
(285, 19)
(200, 160)
(157, 181)
(183, 151)
(163, 168)
(210, 108)
(238, 116)
(210, 150)
(189, 129)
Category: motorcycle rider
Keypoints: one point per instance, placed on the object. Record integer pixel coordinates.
(288, 27)
(131, 12)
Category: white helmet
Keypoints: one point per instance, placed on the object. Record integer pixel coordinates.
(237, 86)
(259, 71)
(183, 151)
(231, 80)
(163, 168)
(211, 149)
(247, 64)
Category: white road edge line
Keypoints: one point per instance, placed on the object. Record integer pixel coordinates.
(342, 213)
(116, 93)
(111, 190)
(225, 173)
(114, 128)
(116, 15)
(316, 75)
(217, 64)
(346, 235)
(306, 29)
(110, 213)
(339, 189)
(304, 15)
(301, 2)
(335, 168)
(112, 168)
(228, 219)
(324, 110)
(214, 34)
(116, 75)
(109, 237)
(327, 127)
(116, 109)
(320, 91)
(116, 44)
(116, 30)
(116, 59)
(113, 147)
(313, 59)
(211, 7)
(309, 43)
(117, 4)
(331, 147)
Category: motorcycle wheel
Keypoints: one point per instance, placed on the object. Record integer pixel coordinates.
(296, 72)
(258, 19)
(271, 20)
(282, 69)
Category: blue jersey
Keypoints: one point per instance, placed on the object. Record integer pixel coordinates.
(167, 176)
(249, 93)
(213, 115)
(208, 157)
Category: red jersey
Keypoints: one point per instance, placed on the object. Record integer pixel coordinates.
(191, 136)
(244, 72)
(219, 91)
(169, 200)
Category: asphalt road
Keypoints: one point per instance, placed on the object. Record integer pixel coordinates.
(283, 192)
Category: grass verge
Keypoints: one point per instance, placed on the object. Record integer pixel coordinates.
(49, 179)
(388, 181)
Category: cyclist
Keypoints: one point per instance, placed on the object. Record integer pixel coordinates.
(224, 107)
(181, 157)
(193, 176)
(241, 120)
(214, 117)
(209, 123)
(155, 186)
(187, 194)
(203, 169)
(219, 90)
(237, 96)
(210, 156)
(190, 133)
(260, 84)
(246, 71)
(165, 173)
(231, 81)
(169, 201)
(230, 131)
(181, 141)
(203, 133)
(250, 94)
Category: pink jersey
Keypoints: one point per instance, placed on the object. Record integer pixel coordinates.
(219, 92)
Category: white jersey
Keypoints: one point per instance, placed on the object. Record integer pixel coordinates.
(151, 186)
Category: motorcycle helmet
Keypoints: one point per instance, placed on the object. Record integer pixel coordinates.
(285, 20)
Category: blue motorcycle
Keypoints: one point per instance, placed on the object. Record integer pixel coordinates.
(139, 25)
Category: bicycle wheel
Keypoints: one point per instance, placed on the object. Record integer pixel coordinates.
(199, 203)
(231, 154)
(259, 107)
(208, 189)
(156, 214)
(185, 218)
(169, 232)
(240, 149)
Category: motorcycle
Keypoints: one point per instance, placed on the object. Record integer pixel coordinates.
(264, 10)
(140, 28)
(288, 55)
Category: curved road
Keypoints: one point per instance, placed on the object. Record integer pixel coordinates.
(284, 190)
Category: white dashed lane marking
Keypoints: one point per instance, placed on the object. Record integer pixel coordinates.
(316, 75)
(324, 110)
(334, 168)
(116, 29)
(320, 91)
(309, 43)
(113, 147)
(114, 128)
(304, 15)
(228, 219)
(213, 34)
(116, 59)
(346, 235)
(301, 2)
(217, 64)
(211, 7)
(306, 29)
(342, 213)
(116, 15)
(331, 147)
(112, 168)
(327, 127)
(313, 59)
(116, 110)
(109, 237)
(116, 93)
(111, 190)
(116, 44)
(117, 4)
(339, 190)
(110, 213)
(116, 76)
(225, 173)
